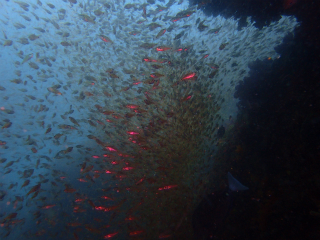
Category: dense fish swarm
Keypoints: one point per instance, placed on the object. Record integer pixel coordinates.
(110, 111)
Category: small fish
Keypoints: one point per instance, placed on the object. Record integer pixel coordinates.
(87, 18)
(189, 76)
(74, 121)
(34, 189)
(58, 135)
(26, 183)
(40, 29)
(33, 37)
(48, 130)
(48, 206)
(69, 149)
(54, 90)
(92, 123)
(110, 235)
(27, 58)
(179, 35)
(9, 217)
(33, 65)
(162, 31)
(222, 46)
(105, 38)
(4, 34)
(147, 45)
(185, 98)
(7, 125)
(8, 43)
(65, 126)
(65, 44)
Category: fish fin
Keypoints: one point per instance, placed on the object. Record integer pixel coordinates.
(234, 184)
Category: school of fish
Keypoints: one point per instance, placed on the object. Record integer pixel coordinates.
(110, 110)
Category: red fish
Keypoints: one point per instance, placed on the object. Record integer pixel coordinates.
(147, 60)
(186, 98)
(136, 233)
(189, 76)
(48, 206)
(130, 218)
(127, 168)
(140, 181)
(175, 19)
(162, 49)
(167, 187)
(110, 235)
(111, 149)
(107, 198)
(133, 133)
(132, 106)
(289, 3)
